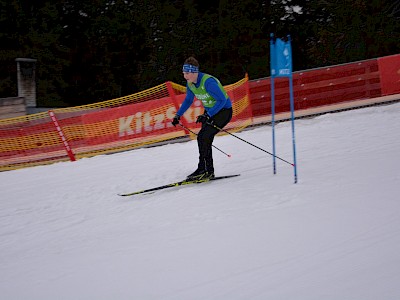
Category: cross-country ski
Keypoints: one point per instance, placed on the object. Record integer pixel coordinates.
(176, 184)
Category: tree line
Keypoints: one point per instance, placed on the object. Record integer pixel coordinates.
(89, 51)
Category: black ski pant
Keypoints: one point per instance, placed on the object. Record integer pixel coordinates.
(206, 136)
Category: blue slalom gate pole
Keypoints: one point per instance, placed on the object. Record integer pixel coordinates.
(281, 66)
(272, 64)
(292, 116)
(293, 131)
(273, 124)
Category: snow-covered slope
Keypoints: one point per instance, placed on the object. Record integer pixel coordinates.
(66, 234)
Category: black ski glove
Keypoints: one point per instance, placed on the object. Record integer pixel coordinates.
(175, 120)
(204, 118)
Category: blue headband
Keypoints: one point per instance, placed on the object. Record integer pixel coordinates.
(190, 68)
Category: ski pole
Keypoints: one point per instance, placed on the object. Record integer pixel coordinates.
(184, 127)
(250, 143)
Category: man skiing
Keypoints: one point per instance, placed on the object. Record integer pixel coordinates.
(217, 111)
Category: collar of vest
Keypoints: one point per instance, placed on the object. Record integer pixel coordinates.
(199, 79)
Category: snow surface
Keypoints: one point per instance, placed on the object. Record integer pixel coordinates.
(66, 234)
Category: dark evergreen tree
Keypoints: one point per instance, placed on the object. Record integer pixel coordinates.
(32, 29)
(89, 51)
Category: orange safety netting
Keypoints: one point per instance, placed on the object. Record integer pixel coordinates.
(115, 125)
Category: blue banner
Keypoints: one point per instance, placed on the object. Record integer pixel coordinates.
(281, 58)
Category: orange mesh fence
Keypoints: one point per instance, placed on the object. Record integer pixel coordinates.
(28, 140)
(110, 126)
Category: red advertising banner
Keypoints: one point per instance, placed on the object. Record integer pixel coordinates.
(129, 122)
(389, 70)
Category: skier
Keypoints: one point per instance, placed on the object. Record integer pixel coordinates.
(217, 111)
